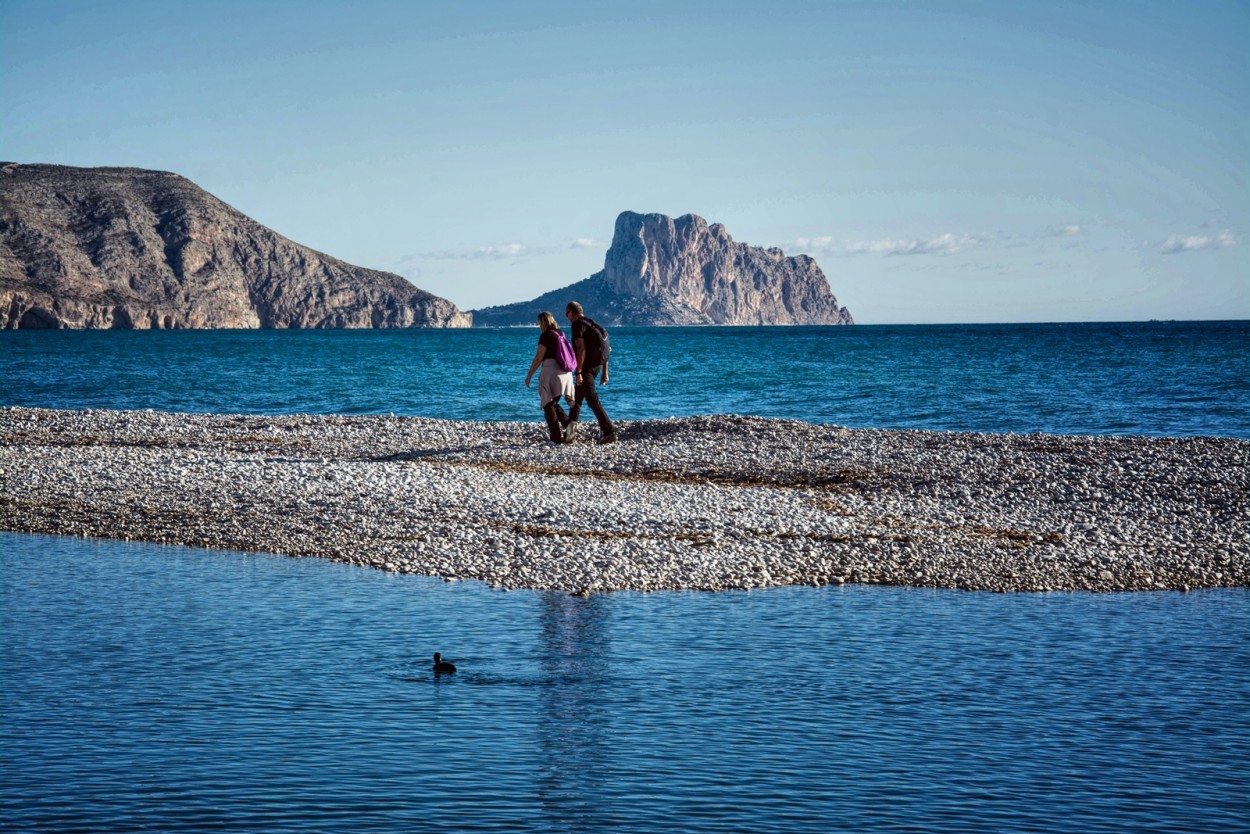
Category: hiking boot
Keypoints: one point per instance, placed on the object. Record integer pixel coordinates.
(607, 438)
(570, 431)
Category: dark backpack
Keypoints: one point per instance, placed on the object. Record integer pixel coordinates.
(595, 332)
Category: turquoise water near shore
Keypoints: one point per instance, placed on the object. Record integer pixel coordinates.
(1154, 378)
(169, 689)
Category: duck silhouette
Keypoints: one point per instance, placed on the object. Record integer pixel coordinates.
(441, 665)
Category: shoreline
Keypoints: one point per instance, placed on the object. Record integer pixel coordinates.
(696, 503)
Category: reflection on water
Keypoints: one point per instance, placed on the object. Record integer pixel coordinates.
(574, 724)
(177, 690)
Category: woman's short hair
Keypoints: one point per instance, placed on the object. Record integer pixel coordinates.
(547, 321)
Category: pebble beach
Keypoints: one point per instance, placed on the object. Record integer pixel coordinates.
(708, 503)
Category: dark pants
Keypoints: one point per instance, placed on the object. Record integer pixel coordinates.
(556, 419)
(586, 391)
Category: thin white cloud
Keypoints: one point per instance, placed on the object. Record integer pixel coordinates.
(1064, 230)
(815, 244)
(940, 245)
(406, 266)
(944, 244)
(494, 252)
(588, 243)
(502, 251)
(1193, 243)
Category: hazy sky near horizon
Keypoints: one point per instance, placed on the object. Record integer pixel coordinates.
(942, 161)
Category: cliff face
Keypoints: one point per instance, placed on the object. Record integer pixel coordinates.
(661, 271)
(129, 248)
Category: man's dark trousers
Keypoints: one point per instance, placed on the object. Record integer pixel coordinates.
(586, 391)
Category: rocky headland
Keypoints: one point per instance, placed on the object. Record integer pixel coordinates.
(711, 503)
(132, 248)
(660, 271)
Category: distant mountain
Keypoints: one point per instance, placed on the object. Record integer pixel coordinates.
(130, 248)
(661, 271)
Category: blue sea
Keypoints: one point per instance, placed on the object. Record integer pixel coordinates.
(1164, 378)
(155, 688)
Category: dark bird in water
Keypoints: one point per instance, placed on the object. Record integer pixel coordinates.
(441, 665)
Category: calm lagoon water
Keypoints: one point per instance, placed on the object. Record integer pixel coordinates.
(168, 689)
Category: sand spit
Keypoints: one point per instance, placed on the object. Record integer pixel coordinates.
(711, 503)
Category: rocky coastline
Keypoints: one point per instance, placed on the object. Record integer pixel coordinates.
(132, 249)
(662, 272)
(702, 503)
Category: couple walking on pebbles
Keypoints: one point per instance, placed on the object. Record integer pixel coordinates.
(569, 371)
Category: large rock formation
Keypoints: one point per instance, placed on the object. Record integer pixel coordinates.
(661, 271)
(129, 248)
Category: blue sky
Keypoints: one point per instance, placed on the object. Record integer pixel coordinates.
(942, 161)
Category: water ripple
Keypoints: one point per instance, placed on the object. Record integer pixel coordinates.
(155, 688)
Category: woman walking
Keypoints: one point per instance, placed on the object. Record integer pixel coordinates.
(556, 380)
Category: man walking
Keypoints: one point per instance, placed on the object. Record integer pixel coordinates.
(588, 345)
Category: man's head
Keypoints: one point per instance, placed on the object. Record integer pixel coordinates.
(573, 311)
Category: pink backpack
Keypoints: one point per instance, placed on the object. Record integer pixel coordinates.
(565, 357)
